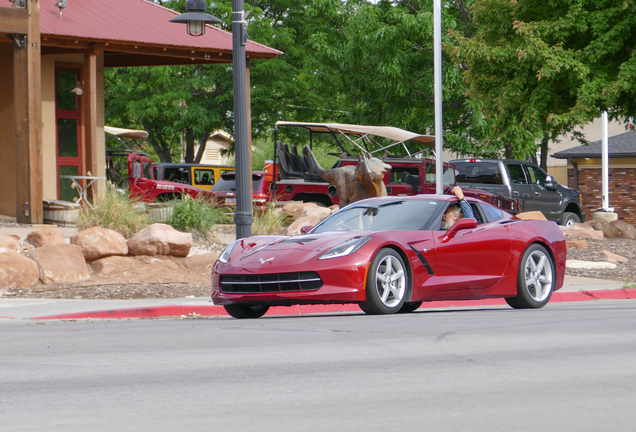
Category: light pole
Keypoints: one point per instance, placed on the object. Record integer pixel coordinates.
(196, 19)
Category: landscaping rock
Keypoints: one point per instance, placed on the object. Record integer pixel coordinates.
(98, 242)
(531, 215)
(61, 263)
(296, 209)
(615, 258)
(45, 236)
(110, 264)
(17, 271)
(201, 263)
(576, 244)
(160, 239)
(584, 233)
(626, 229)
(602, 225)
(589, 265)
(579, 225)
(320, 212)
(294, 228)
(9, 243)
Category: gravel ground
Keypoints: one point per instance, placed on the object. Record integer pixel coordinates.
(621, 246)
(624, 273)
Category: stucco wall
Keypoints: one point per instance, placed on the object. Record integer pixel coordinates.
(7, 132)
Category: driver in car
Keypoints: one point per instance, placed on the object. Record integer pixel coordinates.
(454, 211)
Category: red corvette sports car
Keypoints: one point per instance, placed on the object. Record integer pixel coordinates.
(389, 255)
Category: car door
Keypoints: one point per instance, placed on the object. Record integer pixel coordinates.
(471, 263)
(521, 188)
(547, 201)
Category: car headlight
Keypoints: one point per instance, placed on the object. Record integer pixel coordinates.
(225, 256)
(345, 248)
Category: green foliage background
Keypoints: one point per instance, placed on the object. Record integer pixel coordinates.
(516, 73)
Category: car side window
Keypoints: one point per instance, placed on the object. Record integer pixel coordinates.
(492, 213)
(537, 176)
(517, 175)
(203, 177)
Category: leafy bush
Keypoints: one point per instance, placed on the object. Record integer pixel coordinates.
(197, 216)
(114, 210)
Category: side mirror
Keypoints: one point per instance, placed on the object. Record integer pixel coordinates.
(306, 229)
(550, 183)
(461, 224)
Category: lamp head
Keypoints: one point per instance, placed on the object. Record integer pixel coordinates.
(196, 18)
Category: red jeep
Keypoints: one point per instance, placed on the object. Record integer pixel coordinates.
(143, 185)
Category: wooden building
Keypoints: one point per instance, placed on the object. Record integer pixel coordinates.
(52, 64)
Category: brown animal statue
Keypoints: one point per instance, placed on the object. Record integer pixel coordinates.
(355, 182)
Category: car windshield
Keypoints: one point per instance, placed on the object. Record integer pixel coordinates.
(381, 216)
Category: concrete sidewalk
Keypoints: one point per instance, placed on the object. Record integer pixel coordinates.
(575, 289)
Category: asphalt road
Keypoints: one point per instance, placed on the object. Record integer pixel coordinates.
(567, 367)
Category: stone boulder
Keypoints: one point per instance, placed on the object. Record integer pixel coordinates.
(201, 263)
(17, 271)
(583, 233)
(45, 236)
(615, 258)
(98, 242)
(146, 269)
(61, 263)
(576, 244)
(294, 228)
(295, 209)
(107, 265)
(320, 212)
(626, 229)
(579, 225)
(604, 226)
(531, 215)
(9, 243)
(160, 239)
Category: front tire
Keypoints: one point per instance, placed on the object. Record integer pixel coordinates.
(246, 311)
(386, 284)
(536, 279)
(409, 307)
(570, 218)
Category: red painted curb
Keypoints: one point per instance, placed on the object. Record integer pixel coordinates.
(202, 310)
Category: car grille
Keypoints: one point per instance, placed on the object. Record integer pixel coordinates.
(271, 283)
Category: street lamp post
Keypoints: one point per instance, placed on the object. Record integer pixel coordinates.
(196, 19)
(243, 216)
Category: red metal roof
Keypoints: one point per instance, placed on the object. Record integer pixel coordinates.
(139, 21)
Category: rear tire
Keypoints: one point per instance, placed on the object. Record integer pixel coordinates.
(536, 279)
(246, 311)
(386, 284)
(570, 218)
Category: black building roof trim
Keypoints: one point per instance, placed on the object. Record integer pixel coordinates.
(621, 145)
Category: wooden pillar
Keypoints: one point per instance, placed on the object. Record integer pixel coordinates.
(28, 120)
(90, 117)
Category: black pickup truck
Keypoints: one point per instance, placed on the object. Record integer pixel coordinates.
(525, 182)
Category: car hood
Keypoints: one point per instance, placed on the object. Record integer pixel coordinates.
(275, 251)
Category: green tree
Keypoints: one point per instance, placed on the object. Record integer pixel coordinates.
(384, 55)
(536, 70)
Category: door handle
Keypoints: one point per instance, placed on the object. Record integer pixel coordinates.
(514, 192)
(537, 193)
